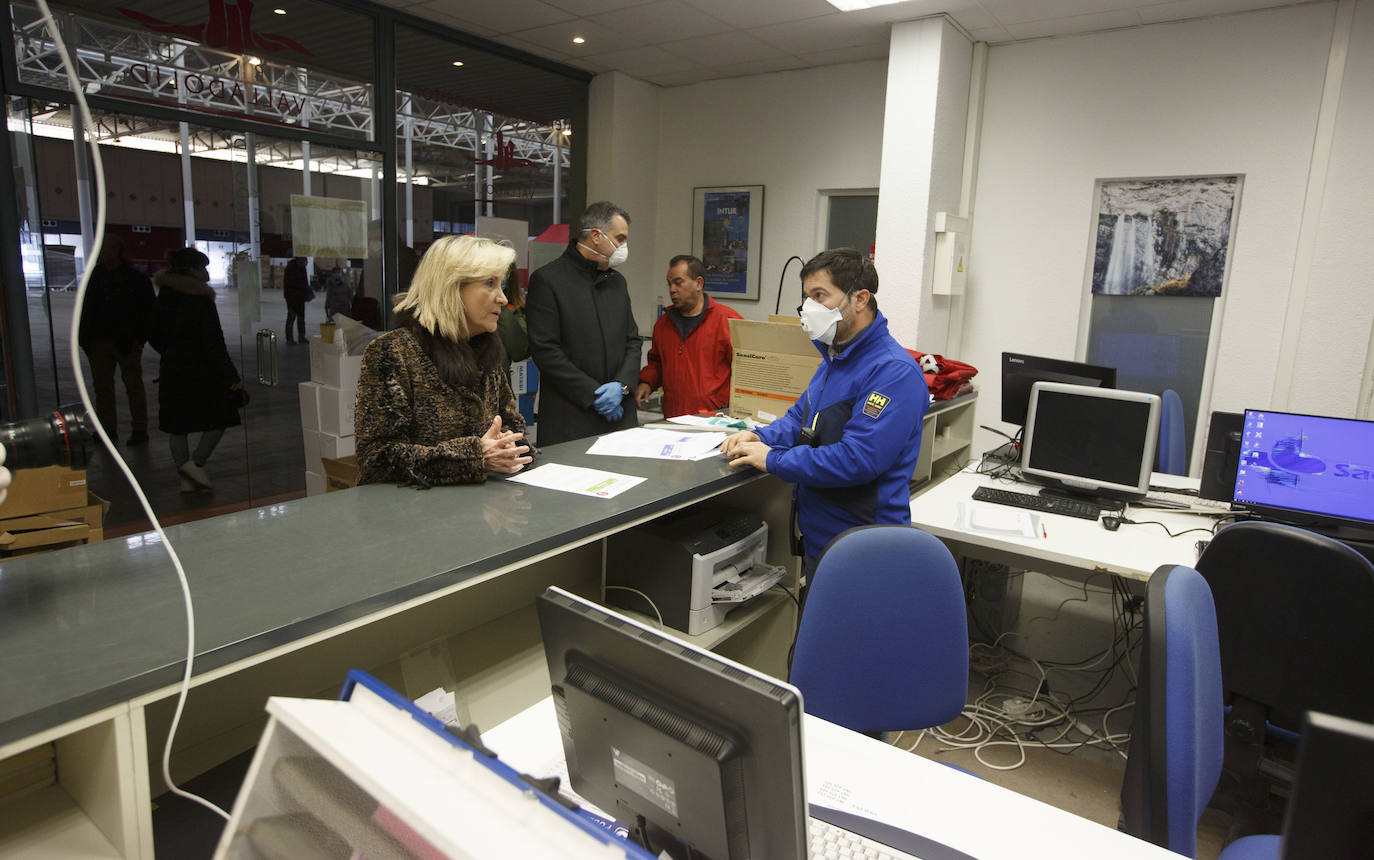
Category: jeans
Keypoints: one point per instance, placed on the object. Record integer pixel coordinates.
(181, 446)
(104, 358)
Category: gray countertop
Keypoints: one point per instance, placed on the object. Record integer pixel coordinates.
(86, 628)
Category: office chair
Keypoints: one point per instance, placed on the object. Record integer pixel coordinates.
(1176, 735)
(1293, 613)
(1172, 457)
(883, 641)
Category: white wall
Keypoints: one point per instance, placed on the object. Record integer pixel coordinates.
(795, 133)
(1235, 94)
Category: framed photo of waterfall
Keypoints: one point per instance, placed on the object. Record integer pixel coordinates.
(1164, 237)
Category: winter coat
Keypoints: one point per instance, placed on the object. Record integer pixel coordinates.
(694, 373)
(338, 296)
(582, 335)
(295, 284)
(514, 335)
(195, 371)
(118, 308)
(412, 427)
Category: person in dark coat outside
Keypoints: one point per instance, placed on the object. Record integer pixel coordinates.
(199, 387)
(512, 327)
(582, 332)
(338, 294)
(296, 290)
(114, 326)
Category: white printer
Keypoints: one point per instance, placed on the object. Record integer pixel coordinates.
(696, 566)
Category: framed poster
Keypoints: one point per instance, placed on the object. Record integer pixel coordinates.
(727, 235)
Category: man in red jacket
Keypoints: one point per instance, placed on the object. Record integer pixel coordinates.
(690, 356)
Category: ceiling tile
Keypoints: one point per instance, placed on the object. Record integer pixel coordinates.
(661, 21)
(1075, 24)
(823, 34)
(1181, 10)
(760, 67)
(993, 35)
(745, 14)
(559, 37)
(643, 62)
(722, 49)
(908, 11)
(439, 16)
(1019, 11)
(972, 17)
(847, 55)
(499, 16)
(528, 47)
(679, 79)
(583, 8)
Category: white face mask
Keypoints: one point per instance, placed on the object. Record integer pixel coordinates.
(617, 257)
(819, 321)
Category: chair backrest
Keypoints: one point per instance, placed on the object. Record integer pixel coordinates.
(1172, 458)
(883, 640)
(1177, 739)
(1293, 612)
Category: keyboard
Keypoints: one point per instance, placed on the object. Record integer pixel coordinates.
(1043, 504)
(832, 833)
(1188, 501)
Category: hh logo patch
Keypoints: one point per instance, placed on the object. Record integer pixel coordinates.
(876, 403)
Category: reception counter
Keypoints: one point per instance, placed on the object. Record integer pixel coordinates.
(424, 588)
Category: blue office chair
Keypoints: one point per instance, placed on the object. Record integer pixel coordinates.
(1176, 736)
(883, 643)
(1172, 458)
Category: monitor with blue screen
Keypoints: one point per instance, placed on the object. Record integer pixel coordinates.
(1307, 469)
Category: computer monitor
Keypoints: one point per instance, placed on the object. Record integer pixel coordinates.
(1308, 470)
(1331, 809)
(703, 749)
(1091, 441)
(1020, 372)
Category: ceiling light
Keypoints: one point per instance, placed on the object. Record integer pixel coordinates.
(853, 5)
(457, 63)
(255, 61)
(578, 40)
(278, 11)
(567, 132)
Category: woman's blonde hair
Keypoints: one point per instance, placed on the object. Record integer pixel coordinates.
(433, 298)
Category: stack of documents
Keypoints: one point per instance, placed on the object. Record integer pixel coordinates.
(658, 444)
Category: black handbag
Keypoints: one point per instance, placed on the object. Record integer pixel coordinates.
(238, 397)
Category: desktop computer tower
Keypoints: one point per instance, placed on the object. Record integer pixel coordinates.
(1222, 457)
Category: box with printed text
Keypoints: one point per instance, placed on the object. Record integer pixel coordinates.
(772, 364)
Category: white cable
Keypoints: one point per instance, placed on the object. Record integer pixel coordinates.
(643, 595)
(109, 444)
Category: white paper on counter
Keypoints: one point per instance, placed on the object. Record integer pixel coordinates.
(657, 444)
(575, 479)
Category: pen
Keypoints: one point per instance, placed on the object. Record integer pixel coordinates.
(1043, 533)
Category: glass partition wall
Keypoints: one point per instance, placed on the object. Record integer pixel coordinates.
(218, 124)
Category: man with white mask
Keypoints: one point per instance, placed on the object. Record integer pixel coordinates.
(850, 443)
(583, 335)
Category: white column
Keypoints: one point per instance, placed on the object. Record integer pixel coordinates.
(305, 166)
(254, 228)
(929, 67)
(491, 153)
(376, 191)
(410, 178)
(558, 176)
(479, 128)
(83, 191)
(188, 188)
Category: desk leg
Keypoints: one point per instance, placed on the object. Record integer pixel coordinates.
(141, 789)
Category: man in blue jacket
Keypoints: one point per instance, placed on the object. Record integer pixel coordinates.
(850, 443)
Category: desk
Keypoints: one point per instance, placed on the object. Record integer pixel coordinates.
(1072, 546)
(920, 795)
(288, 598)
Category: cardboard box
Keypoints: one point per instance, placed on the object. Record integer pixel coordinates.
(315, 483)
(772, 365)
(336, 409)
(336, 447)
(310, 405)
(35, 533)
(331, 365)
(39, 491)
(341, 474)
(524, 377)
(313, 452)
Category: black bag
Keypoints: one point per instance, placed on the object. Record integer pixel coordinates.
(238, 397)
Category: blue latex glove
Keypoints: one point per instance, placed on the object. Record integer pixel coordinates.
(616, 414)
(607, 398)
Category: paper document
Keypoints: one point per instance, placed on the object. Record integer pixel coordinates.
(575, 479)
(658, 444)
(1000, 520)
(718, 421)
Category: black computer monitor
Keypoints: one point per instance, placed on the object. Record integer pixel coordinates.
(1091, 441)
(1308, 470)
(1331, 809)
(1020, 372)
(703, 750)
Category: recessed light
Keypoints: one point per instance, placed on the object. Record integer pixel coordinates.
(578, 40)
(278, 11)
(255, 61)
(457, 63)
(567, 132)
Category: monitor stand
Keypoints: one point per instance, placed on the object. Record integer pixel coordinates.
(1106, 503)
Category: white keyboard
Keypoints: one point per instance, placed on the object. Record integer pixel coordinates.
(828, 841)
(1196, 503)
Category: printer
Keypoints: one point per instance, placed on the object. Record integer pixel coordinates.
(696, 566)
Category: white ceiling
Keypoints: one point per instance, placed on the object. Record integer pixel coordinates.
(675, 42)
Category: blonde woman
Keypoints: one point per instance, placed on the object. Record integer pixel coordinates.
(434, 406)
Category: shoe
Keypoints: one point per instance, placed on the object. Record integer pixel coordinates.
(187, 485)
(289, 340)
(195, 473)
(137, 439)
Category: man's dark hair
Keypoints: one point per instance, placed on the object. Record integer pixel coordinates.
(695, 268)
(849, 270)
(599, 216)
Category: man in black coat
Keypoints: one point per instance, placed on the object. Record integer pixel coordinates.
(583, 335)
(114, 326)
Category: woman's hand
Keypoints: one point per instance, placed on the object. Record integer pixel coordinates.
(501, 451)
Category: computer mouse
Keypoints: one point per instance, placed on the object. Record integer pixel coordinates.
(1111, 524)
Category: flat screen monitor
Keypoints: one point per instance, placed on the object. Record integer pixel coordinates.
(1097, 441)
(1020, 372)
(1307, 470)
(1331, 809)
(704, 750)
